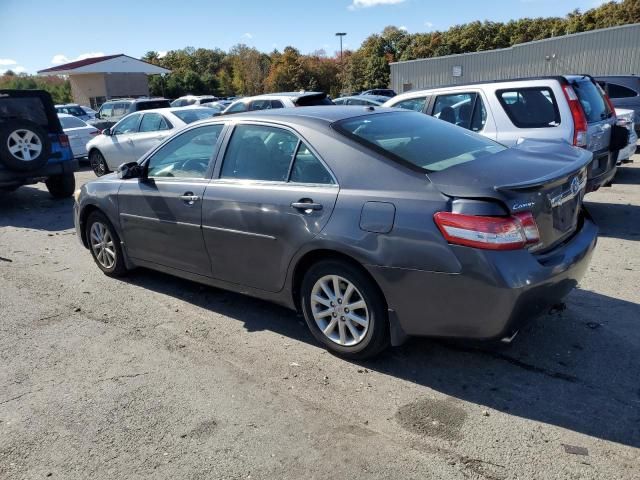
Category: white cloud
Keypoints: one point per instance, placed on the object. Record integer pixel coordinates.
(248, 35)
(372, 3)
(61, 58)
(403, 28)
(162, 53)
(428, 24)
(7, 61)
(16, 69)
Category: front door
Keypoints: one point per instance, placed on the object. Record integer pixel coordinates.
(161, 214)
(271, 195)
(119, 148)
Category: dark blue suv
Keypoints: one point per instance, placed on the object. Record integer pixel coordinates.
(33, 146)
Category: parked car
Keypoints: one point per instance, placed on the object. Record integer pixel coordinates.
(76, 110)
(79, 133)
(375, 224)
(33, 147)
(626, 118)
(138, 132)
(572, 108)
(371, 100)
(384, 92)
(188, 100)
(219, 106)
(113, 111)
(624, 92)
(89, 111)
(278, 100)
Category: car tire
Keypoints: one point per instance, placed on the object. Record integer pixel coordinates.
(24, 145)
(104, 245)
(61, 186)
(354, 333)
(98, 163)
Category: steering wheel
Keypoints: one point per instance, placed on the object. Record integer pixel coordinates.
(195, 164)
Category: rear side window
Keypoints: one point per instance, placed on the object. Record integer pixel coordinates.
(120, 109)
(620, 91)
(417, 140)
(71, 122)
(415, 104)
(308, 169)
(463, 109)
(152, 105)
(153, 122)
(591, 98)
(313, 100)
(237, 108)
(534, 107)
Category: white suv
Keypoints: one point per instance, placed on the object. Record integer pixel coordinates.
(278, 100)
(572, 108)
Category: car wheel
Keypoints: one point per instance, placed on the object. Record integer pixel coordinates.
(24, 145)
(98, 163)
(345, 310)
(104, 244)
(61, 186)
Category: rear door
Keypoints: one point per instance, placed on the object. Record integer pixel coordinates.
(154, 128)
(161, 214)
(600, 120)
(271, 194)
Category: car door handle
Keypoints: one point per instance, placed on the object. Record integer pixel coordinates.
(306, 205)
(189, 198)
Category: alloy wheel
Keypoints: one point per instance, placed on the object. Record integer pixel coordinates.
(102, 245)
(339, 310)
(98, 164)
(24, 145)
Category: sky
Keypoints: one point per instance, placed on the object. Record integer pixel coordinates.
(38, 34)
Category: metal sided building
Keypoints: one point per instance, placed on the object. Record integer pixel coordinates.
(609, 51)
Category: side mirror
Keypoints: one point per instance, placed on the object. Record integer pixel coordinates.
(130, 170)
(97, 115)
(107, 132)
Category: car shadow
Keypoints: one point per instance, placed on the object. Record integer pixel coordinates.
(575, 369)
(627, 176)
(24, 208)
(615, 220)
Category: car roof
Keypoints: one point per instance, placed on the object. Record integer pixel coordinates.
(284, 94)
(65, 115)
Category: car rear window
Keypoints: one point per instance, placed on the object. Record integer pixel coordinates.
(312, 101)
(420, 141)
(23, 108)
(534, 107)
(71, 122)
(592, 100)
(153, 104)
(190, 115)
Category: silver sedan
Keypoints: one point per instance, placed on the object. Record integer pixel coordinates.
(137, 133)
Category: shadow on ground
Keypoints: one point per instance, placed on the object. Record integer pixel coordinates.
(575, 369)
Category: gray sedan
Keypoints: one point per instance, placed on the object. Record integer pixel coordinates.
(377, 224)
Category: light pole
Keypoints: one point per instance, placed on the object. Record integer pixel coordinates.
(340, 34)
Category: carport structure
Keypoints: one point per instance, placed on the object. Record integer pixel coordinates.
(98, 79)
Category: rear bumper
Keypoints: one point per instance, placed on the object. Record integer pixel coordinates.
(493, 296)
(11, 178)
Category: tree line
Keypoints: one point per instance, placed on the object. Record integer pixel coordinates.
(244, 70)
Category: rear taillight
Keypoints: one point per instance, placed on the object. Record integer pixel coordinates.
(611, 107)
(63, 140)
(490, 233)
(579, 118)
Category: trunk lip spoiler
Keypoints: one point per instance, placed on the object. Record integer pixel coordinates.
(551, 177)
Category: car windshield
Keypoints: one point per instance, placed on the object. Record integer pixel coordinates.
(190, 115)
(417, 139)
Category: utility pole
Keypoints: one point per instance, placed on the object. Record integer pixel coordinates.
(340, 34)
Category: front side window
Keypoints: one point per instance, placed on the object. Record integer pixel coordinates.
(186, 156)
(417, 140)
(463, 109)
(415, 104)
(127, 125)
(120, 109)
(106, 111)
(260, 105)
(153, 122)
(620, 91)
(533, 107)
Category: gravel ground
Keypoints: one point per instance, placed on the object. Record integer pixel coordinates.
(153, 376)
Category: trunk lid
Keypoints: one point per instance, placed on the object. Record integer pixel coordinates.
(546, 178)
